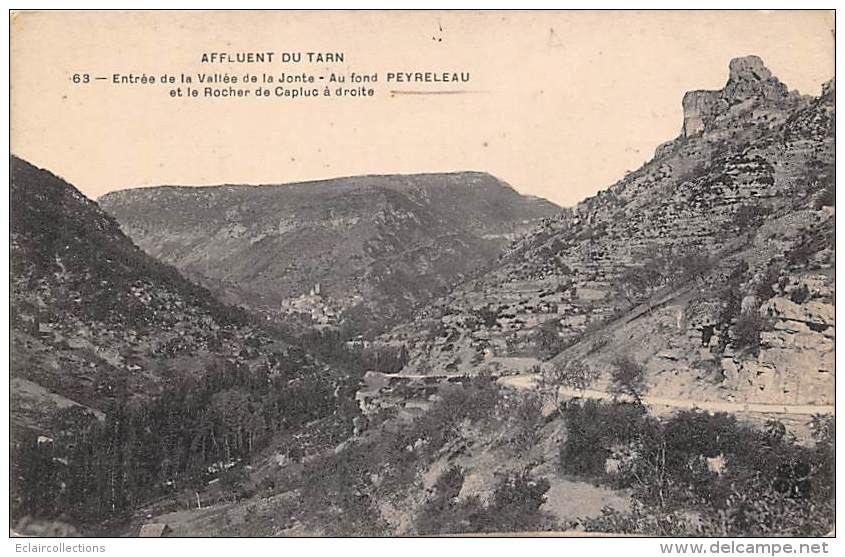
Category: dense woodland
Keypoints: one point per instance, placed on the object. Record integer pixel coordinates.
(98, 470)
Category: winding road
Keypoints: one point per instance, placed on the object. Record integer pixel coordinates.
(527, 382)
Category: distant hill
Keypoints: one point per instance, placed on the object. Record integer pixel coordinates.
(370, 246)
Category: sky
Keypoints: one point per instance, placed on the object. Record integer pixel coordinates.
(559, 104)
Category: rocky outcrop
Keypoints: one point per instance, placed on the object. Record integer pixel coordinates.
(700, 107)
(749, 80)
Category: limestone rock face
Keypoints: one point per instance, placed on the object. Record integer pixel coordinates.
(749, 79)
(748, 67)
(699, 107)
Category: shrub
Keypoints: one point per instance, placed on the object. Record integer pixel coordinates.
(800, 295)
(764, 289)
(514, 506)
(487, 316)
(641, 520)
(441, 512)
(527, 417)
(592, 429)
(235, 483)
(547, 339)
(337, 494)
(761, 460)
(747, 331)
(637, 283)
(800, 255)
(767, 486)
(693, 265)
(749, 216)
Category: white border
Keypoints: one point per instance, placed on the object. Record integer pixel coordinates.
(371, 547)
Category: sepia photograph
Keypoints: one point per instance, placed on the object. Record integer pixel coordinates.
(418, 273)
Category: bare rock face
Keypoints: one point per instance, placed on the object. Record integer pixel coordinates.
(699, 107)
(748, 67)
(749, 79)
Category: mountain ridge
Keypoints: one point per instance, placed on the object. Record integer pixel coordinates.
(377, 245)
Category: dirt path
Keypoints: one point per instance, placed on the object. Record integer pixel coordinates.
(525, 382)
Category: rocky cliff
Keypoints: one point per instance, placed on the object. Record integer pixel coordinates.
(749, 80)
(729, 227)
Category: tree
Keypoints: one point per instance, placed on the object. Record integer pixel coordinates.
(548, 339)
(636, 283)
(747, 331)
(628, 377)
(574, 374)
(749, 216)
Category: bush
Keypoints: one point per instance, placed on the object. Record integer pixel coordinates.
(516, 503)
(592, 429)
(527, 416)
(637, 283)
(641, 520)
(749, 216)
(799, 256)
(574, 374)
(514, 506)
(767, 485)
(747, 332)
(547, 339)
(487, 316)
(826, 197)
(337, 494)
(663, 266)
(800, 295)
(764, 289)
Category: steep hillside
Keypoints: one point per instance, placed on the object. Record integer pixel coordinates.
(728, 228)
(130, 383)
(94, 319)
(363, 246)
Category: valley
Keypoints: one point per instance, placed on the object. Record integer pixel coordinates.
(437, 354)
